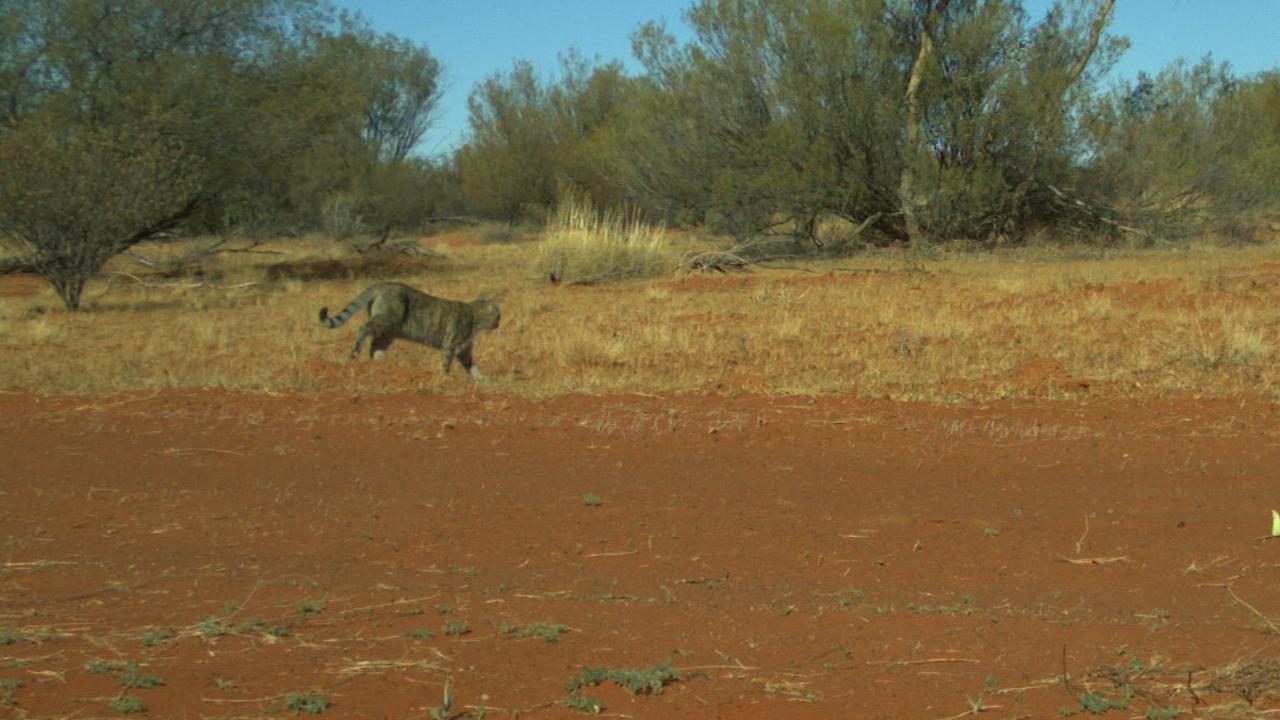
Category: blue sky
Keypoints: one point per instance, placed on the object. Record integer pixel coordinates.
(476, 38)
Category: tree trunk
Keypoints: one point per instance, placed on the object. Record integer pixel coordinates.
(68, 288)
(1095, 32)
(911, 199)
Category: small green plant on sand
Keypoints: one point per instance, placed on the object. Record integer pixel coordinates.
(591, 500)
(583, 703)
(7, 686)
(455, 627)
(1092, 703)
(131, 678)
(222, 683)
(546, 631)
(126, 703)
(155, 637)
(307, 607)
(126, 672)
(100, 667)
(649, 680)
(311, 702)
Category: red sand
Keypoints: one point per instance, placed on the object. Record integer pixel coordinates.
(791, 557)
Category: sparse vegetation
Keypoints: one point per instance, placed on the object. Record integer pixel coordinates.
(547, 631)
(649, 680)
(7, 688)
(212, 626)
(308, 607)
(101, 667)
(222, 683)
(583, 703)
(455, 627)
(126, 703)
(156, 636)
(125, 671)
(1098, 704)
(309, 702)
(129, 677)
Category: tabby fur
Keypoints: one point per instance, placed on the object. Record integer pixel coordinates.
(397, 311)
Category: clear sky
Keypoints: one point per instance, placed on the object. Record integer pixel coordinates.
(476, 38)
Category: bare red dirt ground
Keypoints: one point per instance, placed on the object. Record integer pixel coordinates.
(789, 556)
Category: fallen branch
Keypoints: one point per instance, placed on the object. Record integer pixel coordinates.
(184, 286)
(375, 666)
(397, 247)
(738, 258)
(925, 661)
(462, 219)
(145, 261)
(712, 261)
(1096, 560)
(184, 263)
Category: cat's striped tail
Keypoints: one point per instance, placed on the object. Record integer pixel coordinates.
(351, 309)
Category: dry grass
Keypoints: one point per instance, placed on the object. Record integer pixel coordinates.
(584, 244)
(1197, 321)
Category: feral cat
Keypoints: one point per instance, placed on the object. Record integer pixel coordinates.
(399, 311)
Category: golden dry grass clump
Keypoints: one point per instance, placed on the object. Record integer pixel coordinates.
(583, 244)
(1194, 321)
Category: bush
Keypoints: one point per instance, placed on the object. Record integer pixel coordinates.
(340, 214)
(73, 197)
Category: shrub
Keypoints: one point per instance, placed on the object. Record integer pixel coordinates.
(73, 197)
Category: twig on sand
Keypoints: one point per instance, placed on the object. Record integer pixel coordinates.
(401, 601)
(981, 707)
(1096, 560)
(179, 451)
(1255, 610)
(924, 661)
